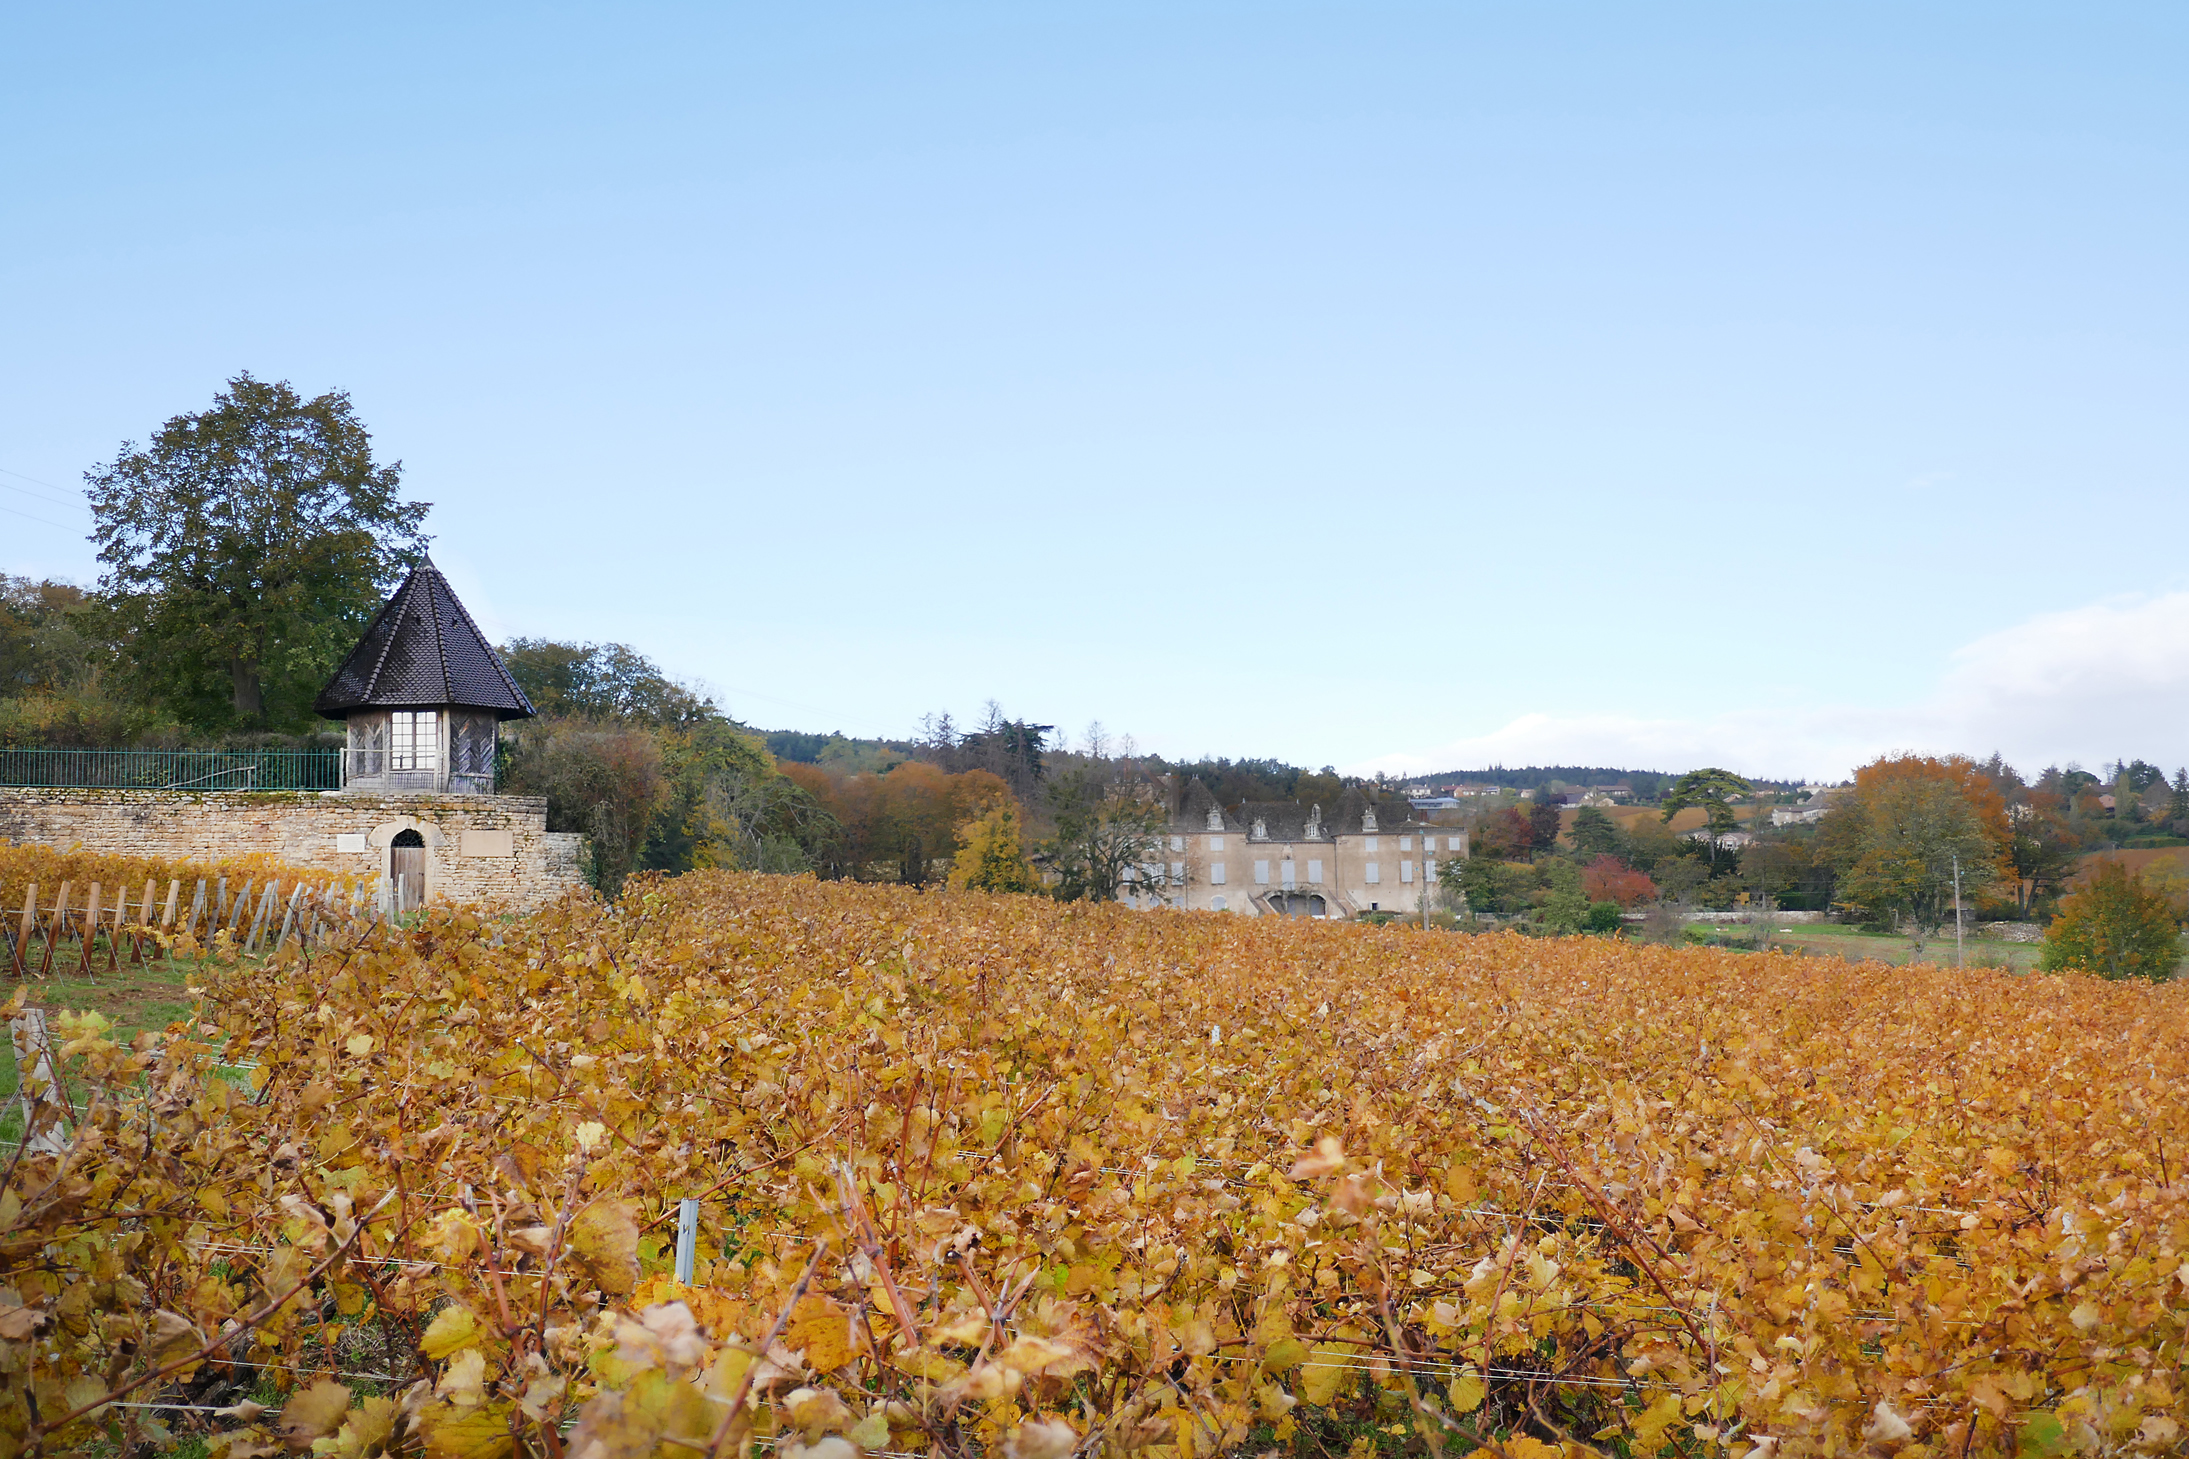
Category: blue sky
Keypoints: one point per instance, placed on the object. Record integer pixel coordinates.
(1389, 386)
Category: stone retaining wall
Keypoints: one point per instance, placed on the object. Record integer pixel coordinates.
(488, 849)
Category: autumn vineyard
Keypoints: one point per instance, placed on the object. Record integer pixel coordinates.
(996, 1175)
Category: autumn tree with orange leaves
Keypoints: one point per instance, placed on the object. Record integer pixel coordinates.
(1914, 826)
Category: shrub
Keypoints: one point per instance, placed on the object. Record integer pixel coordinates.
(1608, 879)
(2117, 926)
(1603, 917)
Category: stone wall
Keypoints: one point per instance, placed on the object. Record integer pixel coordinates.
(488, 849)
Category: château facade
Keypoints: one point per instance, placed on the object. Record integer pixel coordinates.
(1279, 858)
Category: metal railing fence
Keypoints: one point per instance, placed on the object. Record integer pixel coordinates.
(171, 769)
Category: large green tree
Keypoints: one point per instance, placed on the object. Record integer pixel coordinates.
(1103, 832)
(1712, 791)
(245, 549)
(1918, 837)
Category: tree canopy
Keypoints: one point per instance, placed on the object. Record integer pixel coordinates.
(245, 549)
(600, 681)
(2117, 925)
(1914, 826)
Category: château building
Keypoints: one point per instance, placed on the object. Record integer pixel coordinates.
(1280, 858)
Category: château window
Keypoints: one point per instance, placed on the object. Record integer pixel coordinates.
(1373, 874)
(1371, 848)
(1216, 873)
(1406, 871)
(1178, 843)
(1406, 843)
(414, 740)
(1286, 876)
(1261, 873)
(1314, 873)
(1216, 843)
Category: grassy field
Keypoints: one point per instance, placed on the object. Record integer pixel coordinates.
(137, 998)
(1827, 939)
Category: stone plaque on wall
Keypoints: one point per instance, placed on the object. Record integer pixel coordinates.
(485, 843)
(352, 842)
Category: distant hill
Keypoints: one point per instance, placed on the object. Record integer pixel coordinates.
(1646, 784)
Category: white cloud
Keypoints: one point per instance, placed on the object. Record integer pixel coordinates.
(2089, 684)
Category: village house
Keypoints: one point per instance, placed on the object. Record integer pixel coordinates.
(1280, 858)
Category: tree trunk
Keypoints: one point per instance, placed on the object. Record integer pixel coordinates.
(249, 694)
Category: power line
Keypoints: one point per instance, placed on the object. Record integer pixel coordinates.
(13, 512)
(63, 500)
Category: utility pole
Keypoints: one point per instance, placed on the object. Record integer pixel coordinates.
(1957, 950)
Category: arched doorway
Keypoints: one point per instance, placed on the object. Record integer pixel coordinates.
(1297, 904)
(407, 870)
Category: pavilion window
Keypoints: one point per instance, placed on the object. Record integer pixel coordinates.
(414, 740)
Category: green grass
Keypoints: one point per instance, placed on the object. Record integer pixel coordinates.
(1834, 939)
(138, 998)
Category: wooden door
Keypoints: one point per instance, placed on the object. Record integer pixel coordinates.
(408, 868)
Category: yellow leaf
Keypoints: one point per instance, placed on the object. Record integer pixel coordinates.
(1041, 1439)
(933, 1366)
(464, 1383)
(1466, 1391)
(173, 1336)
(452, 1330)
(822, 1331)
(1650, 1424)
(366, 1431)
(1284, 1355)
(1328, 1368)
(634, 1422)
(317, 1410)
(359, 1045)
(604, 1240)
(817, 1411)
(466, 1433)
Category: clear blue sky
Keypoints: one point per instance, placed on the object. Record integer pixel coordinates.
(1371, 384)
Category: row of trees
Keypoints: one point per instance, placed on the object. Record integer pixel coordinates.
(661, 779)
(1914, 842)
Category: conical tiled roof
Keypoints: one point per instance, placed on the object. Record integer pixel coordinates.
(422, 651)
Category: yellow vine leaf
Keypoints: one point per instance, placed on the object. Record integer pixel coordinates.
(316, 1411)
(822, 1331)
(604, 1239)
(453, 1328)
